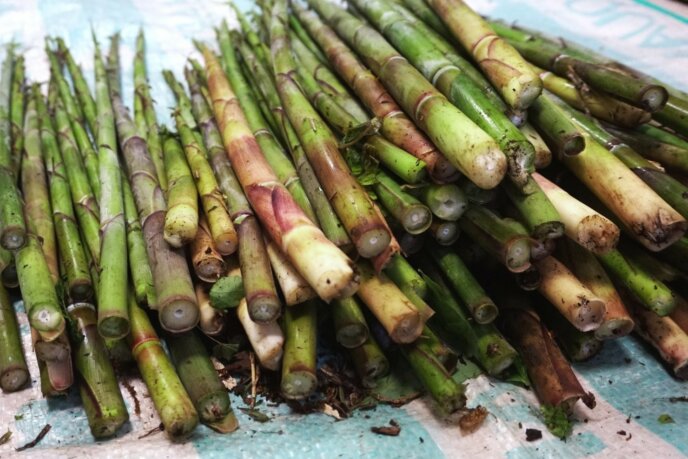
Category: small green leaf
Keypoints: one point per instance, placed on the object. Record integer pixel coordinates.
(18, 417)
(255, 414)
(557, 421)
(665, 419)
(5, 437)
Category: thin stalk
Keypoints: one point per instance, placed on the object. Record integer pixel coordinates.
(176, 410)
(669, 155)
(12, 225)
(348, 198)
(299, 378)
(395, 125)
(295, 289)
(370, 362)
(472, 295)
(350, 325)
(413, 215)
(561, 134)
(100, 393)
(13, 370)
(113, 318)
(211, 320)
(17, 101)
(181, 219)
(142, 94)
(447, 202)
(537, 211)
(543, 155)
(87, 104)
(330, 223)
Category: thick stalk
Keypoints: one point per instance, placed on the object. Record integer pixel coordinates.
(113, 318)
(348, 198)
(299, 378)
(455, 84)
(617, 322)
(494, 234)
(17, 100)
(176, 302)
(582, 224)
(12, 225)
(173, 404)
(397, 314)
(181, 219)
(13, 370)
(569, 296)
(447, 202)
(266, 338)
(472, 151)
(100, 393)
(206, 260)
(199, 377)
(396, 126)
(318, 260)
(330, 223)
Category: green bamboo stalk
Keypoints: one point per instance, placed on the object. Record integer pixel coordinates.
(668, 188)
(501, 63)
(220, 224)
(328, 219)
(558, 130)
(199, 377)
(113, 319)
(176, 410)
(541, 217)
(447, 202)
(252, 37)
(87, 104)
(406, 277)
(595, 103)
(350, 325)
(12, 225)
(370, 362)
(17, 113)
(348, 198)
(455, 84)
(142, 94)
(464, 144)
(72, 256)
(270, 198)
(661, 135)
(318, 67)
(300, 33)
(13, 370)
(181, 219)
(183, 101)
(271, 149)
(395, 125)
(76, 117)
(543, 155)
(650, 292)
(421, 9)
(669, 155)
(173, 287)
(481, 306)
(100, 393)
(37, 209)
(511, 247)
(414, 216)
(299, 378)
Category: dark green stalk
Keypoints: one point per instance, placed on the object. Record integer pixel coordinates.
(13, 370)
(481, 306)
(299, 378)
(370, 362)
(17, 113)
(538, 213)
(113, 319)
(557, 129)
(669, 155)
(100, 393)
(176, 410)
(413, 215)
(12, 225)
(349, 323)
(199, 377)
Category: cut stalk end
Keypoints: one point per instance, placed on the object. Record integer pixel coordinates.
(13, 378)
(446, 233)
(614, 328)
(572, 145)
(352, 335)
(47, 320)
(653, 98)
(517, 256)
(297, 385)
(526, 89)
(485, 313)
(178, 315)
(373, 242)
(13, 237)
(81, 291)
(113, 327)
(264, 309)
(407, 328)
(590, 314)
(210, 269)
(596, 234)
(416, 219)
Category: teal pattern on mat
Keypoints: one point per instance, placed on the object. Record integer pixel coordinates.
(640, 388)
(319, 436)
